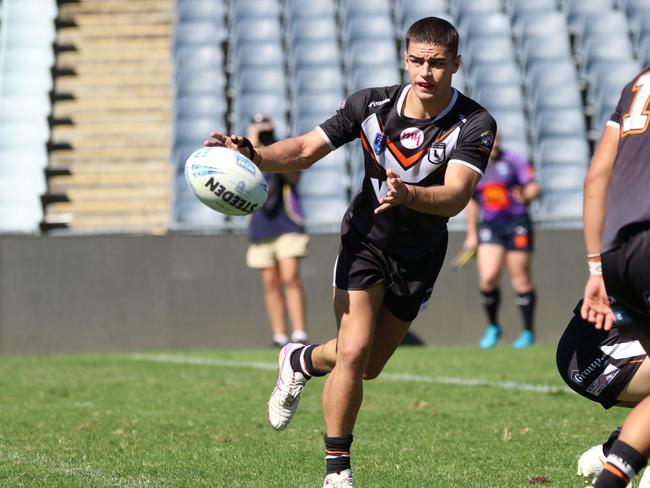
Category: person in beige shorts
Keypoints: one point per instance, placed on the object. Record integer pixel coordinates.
(278, 243)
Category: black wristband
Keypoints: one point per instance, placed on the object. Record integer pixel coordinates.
(246, 142)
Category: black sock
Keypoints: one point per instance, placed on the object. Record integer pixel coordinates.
(301, 361)
(491, 301)
(337, 453)
(607, 445)
(623, 462)
(527, 302)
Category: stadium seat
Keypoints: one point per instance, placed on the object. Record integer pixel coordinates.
(203, 10)
(540, 49)
(306, 29)
(560, 96)
(324, 214)
(198, 59)
(258, 55)
(366, 28)
(243, 9)
(255, 29)
(495, 97)
(462, 9)
(561, 151)
(484, 24)
(200, 106)
(562, 178)
(541, 24)
(311, 54)
(334, 161)
(559, 122)
(577, 11)
(489, 49)
(322, 182)
(512, 125)
(409, 17)
(301, 9)
(372, 53)
(198, 33)
(324, 104)
(249, 80)
(482, 74)
(365, 77)
(208, 81)
(328, 80)
(353, 8)
(518, 9)
(561, 205)
(195, 130)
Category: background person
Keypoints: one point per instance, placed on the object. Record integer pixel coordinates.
(499, 226)
(278, 243)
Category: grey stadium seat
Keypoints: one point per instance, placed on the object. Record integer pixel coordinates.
(191, 107)
(201, 82)
(307, 29)
(562, 178)
(205, 10)
(562, 151)
(562, 122)
(328, 80)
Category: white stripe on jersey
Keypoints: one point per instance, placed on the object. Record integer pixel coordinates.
(465, 163)
(327, 139)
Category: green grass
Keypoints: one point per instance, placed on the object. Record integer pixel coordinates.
(109, 420)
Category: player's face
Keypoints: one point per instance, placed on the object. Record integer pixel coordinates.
(430, 67)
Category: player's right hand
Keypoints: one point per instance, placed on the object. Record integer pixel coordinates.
(237, 143)
(595, 305)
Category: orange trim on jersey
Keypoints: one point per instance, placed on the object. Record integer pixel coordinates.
(444, 136)
(616, 472)
(404, 161)
(635, 361)
(366, 147)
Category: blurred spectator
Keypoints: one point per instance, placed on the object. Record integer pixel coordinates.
(278, 242)
(504, 237)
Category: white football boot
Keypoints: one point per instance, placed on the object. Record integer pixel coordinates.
(590, 465)
(339, 480)
(285, 397)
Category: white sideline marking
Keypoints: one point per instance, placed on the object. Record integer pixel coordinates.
(95, 476)
(445, 380)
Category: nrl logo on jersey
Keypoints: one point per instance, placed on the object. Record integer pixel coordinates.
(437, 153)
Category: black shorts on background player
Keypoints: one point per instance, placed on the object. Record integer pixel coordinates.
(595, 363)
(515, 234)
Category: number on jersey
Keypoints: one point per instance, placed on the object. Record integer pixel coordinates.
(636, 120)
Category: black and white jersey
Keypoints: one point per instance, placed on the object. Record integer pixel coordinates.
(416, 150)
(628, 202)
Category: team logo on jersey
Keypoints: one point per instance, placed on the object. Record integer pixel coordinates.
(437, 153)
(379, 146)
(487, 141)
(411, 138)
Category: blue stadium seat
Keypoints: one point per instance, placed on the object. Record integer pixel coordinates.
(562, 178)
(249, 80)
(299, 9)
(482, 74)
(368, 27)
(322, 182)
(375, 53)
(328, 80)
(200, 82)
(306, 29)
(512, 125)
(191, 107)
(245, 9)
(203, 10)
(495, 97)
(462, 9)
(546, 24)
(541, 49)
(559, 122)
(550, 73)
(259, 55)
(198, 58)
(577, 11)
(198, 33)
(194, 131)
(311, 54)
(561, 205)
(484, 24)
(519, 9)
(489, 49)
(315, 103)
(255, 29)
(409, 17)
(368, 76)
(556, 96)
(352, 8)
(324, 214)
(561, 151)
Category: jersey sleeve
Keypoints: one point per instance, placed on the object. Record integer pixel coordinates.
(345, 125)
(475, 141)
(616, 117)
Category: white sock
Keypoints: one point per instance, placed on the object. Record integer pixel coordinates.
(298, 335)
(280, 339)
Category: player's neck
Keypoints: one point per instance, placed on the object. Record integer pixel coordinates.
(416, 108)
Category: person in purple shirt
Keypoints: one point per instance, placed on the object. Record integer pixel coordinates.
(499, 228)
(278, 242)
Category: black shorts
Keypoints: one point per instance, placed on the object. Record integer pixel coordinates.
(408, 283)
(597, 364)
(626, 271)
(513, 234)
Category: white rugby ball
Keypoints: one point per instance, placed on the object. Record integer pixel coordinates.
(226, 181)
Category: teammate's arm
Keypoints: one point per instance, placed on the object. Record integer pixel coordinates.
(595, 306)
(447, 200)
(471, 213)
(292, 154)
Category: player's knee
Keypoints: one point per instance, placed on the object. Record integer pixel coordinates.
(353, 357)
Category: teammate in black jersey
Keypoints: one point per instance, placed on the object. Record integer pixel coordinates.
(426, 146)
(617, 235)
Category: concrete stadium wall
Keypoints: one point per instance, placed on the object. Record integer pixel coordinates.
(141, 293)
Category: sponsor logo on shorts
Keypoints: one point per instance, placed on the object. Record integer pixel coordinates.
(411, 138)
(597, 387)
(578, 376)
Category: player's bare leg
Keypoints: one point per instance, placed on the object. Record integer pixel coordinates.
(630, 452)
(490, 259)
(274, 302)
(295, 297)
(518, 263)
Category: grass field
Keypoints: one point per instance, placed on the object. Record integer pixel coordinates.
(438, 417)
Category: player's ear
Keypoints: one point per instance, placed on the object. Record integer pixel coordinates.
(456, 64)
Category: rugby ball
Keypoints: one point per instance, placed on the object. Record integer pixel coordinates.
(226, 181)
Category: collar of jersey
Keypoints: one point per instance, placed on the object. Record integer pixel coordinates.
(402, 97)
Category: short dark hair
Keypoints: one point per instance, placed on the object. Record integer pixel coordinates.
(434, 30)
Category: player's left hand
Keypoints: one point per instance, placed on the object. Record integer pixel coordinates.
(398, 192)
(517, 193)
(595, 305)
